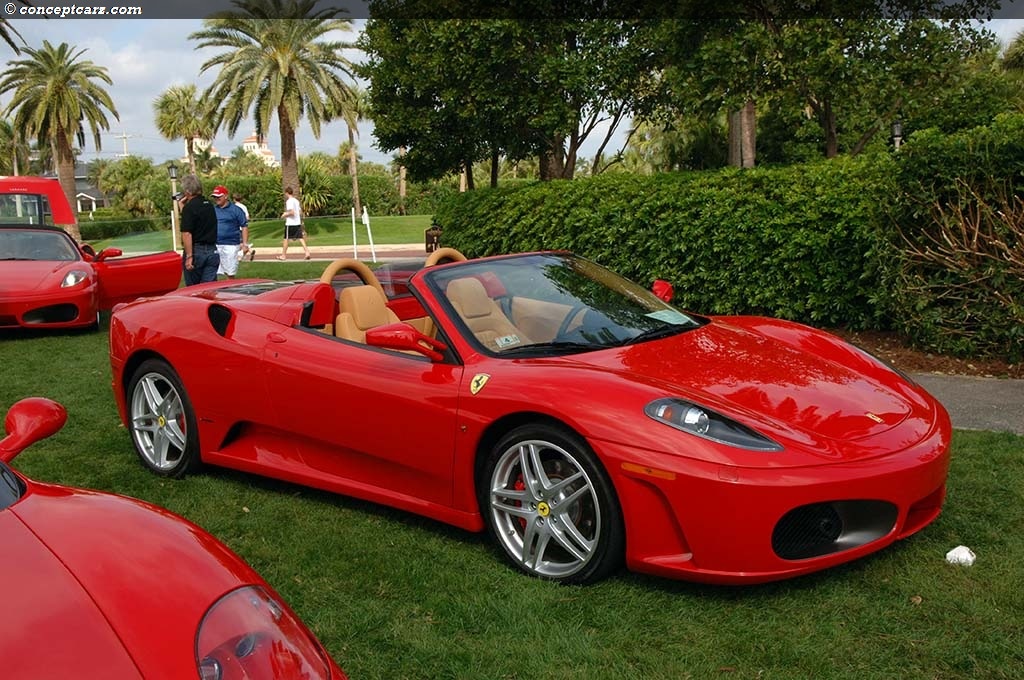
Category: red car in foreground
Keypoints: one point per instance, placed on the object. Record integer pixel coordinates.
(580, 419)
(49, 281)
(96, 586)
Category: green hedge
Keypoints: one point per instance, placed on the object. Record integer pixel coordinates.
(957, 227)
(794, 242)
(264, 198)
(105, 223)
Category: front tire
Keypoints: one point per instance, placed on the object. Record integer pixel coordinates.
(550, 507)
(161, 420)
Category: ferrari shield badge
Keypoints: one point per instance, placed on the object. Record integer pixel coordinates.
(478, 382)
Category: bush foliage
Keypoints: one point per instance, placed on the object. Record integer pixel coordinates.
(793, 242)
(929, 241)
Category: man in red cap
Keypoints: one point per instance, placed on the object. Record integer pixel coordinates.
(232, 231)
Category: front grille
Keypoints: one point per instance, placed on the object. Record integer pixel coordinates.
(61, 313)
(825, 528)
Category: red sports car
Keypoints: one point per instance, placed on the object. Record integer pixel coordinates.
(102, 586)
(49, 281)
(576, 416)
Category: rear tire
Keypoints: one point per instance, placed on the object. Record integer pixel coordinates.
(161, 420)
(550, 507)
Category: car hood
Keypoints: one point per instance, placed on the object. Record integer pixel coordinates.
(156, 577)
(28, 276)
(820, 388)
(53, 628)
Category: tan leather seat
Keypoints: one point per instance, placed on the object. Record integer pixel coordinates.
(483, 315)
(361, 308)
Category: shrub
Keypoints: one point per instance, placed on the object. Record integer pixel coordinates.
(795, 242)
(958, 233)
(105, 223)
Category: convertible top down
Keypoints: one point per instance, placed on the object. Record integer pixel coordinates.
(579, 418)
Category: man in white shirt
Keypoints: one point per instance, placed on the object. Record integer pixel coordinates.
(292, 224)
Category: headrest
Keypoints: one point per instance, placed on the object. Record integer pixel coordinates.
(366, 305)
(470, 297)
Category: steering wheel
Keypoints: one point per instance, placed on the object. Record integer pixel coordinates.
(573, 313)
(444, 254)
(355, 266)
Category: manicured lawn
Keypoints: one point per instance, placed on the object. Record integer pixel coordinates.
(396, 596)
(322, 231)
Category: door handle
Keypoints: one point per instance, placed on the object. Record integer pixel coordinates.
(276, 337)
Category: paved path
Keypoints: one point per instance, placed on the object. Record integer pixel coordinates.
(979, 403)
(325, 253)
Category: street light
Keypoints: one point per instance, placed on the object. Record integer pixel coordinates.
(172, 171)
(897, 134)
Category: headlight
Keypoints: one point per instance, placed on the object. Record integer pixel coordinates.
(703, 422)
(247, 634)
(74, 277)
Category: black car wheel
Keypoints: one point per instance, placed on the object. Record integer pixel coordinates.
(550, 507)
(161, 420)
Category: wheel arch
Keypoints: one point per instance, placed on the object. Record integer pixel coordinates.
(493, 433)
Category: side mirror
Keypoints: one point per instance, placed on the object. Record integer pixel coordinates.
(663, 290)
(403, 337)
(108, 252)
(27, 422)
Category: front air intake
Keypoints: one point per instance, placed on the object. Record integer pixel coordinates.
(826, 528)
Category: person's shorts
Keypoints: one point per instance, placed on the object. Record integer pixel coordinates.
(229, 256)
(293, 232)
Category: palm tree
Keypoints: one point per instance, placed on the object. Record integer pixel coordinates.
(13, 150)
(54, 94)
(352, 110)
(7, 32)
(179, 115)
(276, 63)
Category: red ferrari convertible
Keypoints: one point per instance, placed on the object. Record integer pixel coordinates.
(579, 418)
(102, 586)
(49, 281)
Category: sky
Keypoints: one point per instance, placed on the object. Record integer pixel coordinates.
(144, 57)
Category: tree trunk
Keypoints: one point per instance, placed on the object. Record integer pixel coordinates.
(735, 148)
(401, 182)
(352, 171)
(749, 144)
(470, 185)
(495, 159)
(65, 159)
(289, 161)
(190, 151)
(828, 126)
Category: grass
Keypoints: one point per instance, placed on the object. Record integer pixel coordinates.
(322, 231)
(393, 595)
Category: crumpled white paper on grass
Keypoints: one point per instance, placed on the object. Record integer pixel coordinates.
(961, 555)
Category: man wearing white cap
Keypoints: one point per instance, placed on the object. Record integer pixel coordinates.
(232, 231)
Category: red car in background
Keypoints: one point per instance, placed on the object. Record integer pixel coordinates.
(49, 281)
(97, 586)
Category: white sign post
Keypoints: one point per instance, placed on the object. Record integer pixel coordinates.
(369, 234)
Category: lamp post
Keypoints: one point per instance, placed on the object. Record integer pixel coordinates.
(172, 171)
(897, 134)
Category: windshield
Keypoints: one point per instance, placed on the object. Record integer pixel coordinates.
(30, 244)
(542, 304)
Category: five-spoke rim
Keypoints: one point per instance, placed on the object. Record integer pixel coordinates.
(545, 509)
(158, 421)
